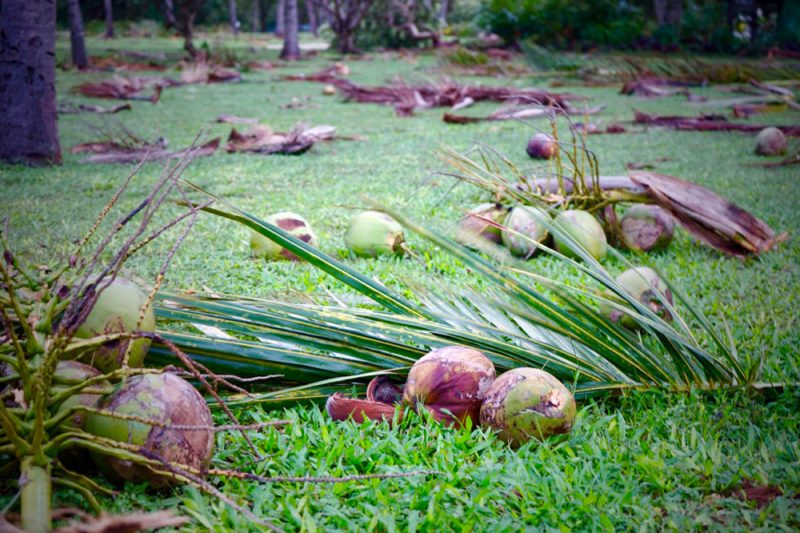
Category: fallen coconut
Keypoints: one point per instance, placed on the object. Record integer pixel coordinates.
(542, 146)
(372, 233)
(476, 228)
(169, 401)
(584, 228)
(329, 90)
(647, 228)
(450, 383)
(69, 374)
(644, 285)
(523, 227)
(293, 224)
(117, 310)
(771, 141)
(525, 403)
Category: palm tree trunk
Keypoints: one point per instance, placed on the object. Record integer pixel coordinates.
(28, 71)
(444, 9)
(311, 9)
(291, 47)
(280, 20)
(107, 7)
(77, 41)
(232, 15)
(187, 13)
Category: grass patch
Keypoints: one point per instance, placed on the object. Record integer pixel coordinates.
(645, 461)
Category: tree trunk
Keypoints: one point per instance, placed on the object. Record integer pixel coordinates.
(109, 19)
(169, 14)
(660, 7)
(444, 9)
(28, 89)
(280, 15)
(256, 16)
(188, 12)
(233, 18)
(291, 47)
(311, 9)
(77, 41)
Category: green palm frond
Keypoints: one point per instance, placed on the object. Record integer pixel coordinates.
(522, 319)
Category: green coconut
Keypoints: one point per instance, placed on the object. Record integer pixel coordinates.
(583, 227)
(647, 228)
(524, 225)
(450, 383)
(372, 233)
(117, 310)
(67, 375)
(771, 141)
(645, 285)
(525, 403)
(168, 400)
(475, 230)
(293, 224)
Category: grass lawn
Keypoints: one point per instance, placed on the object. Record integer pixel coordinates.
(647, 461)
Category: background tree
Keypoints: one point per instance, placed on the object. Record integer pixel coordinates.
(28, 71)
(344, 17)
(169, 14)
(313, 22)
(187, 12)
(255, 16)
(291, 46)
(234, 20)
(77, 42)
(280, 17)
(109, 13)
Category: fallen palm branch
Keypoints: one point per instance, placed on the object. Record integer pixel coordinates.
(520, 112)
(112, 152)
(792, 159)
(707, 123)
(652, 88)
(121, 88)
(406, 98)
(262, 139)
(66, 109)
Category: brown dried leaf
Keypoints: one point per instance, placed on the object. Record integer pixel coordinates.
(129, 523)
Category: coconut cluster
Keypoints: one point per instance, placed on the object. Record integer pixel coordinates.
(456, 385)
(156, 412)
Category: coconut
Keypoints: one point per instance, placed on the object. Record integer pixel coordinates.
(647, 228)
(542, 146)
(117, 310)
(450, 383)
(67, 375)
(164, 398)
(372, 233)
(584, 228)
(474, 229)
(292, 223)
(525, 403)
(329, 90)
(643, 284)
(771, 141)
(524, 224)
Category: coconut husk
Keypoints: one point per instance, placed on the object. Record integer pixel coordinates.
(707, 123)
(651, 88)
(340, 407)
(520, 112)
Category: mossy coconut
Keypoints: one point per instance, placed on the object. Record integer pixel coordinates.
(373, 233)
(771, 141)
(643, 284)
(583, 227)
(117, 310)
(526, 403)
(647, 228)
(524, 226)
(293, 224)
(450, 383)
(475, 229)
(168, 400)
